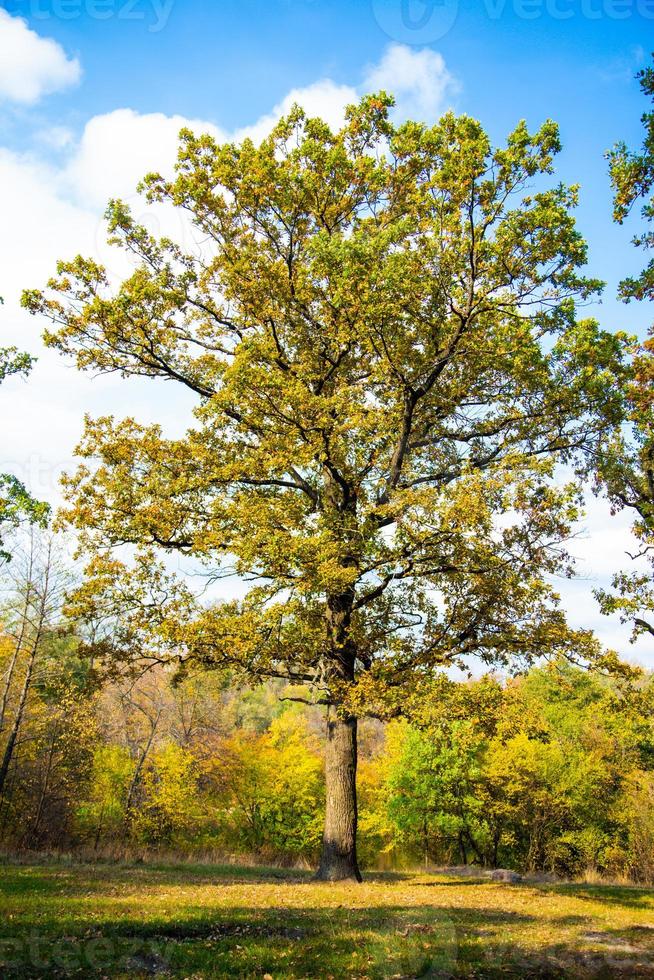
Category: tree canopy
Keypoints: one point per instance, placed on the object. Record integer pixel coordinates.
(381, 331)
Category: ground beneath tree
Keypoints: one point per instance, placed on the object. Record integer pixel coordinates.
(110, 921)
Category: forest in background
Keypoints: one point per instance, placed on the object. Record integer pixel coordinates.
(551, 771)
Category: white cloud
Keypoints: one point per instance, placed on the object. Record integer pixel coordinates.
(419, 80)
(101, 168)
(37, 222)
(31, 66)
(118, 148)
(325, 99)
(42, 417)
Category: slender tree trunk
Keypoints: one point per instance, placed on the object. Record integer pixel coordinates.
(496, 847)
(9, 676)
(139, 767)
(479, 856)
(339, 847)
(18, 720)
(38, 627)
(18, 646)
(31, 833)
(98, 832)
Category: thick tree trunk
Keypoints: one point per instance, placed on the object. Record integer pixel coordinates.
(339, 847)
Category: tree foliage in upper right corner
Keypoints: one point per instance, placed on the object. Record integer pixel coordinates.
(627, 468)
(632, 176)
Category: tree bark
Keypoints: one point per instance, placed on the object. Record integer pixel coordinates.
(339, 847)
(139, 767)
(31, 833)
(20, 639)
(42, 591)
(18, 720)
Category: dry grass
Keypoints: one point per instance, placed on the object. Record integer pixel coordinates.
(200, 921)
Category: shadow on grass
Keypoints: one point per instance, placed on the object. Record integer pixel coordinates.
(62, 928)
(456, 883)
(628, 896)
(315, 943)
(29, 881)
(73, 880)
(392, 941)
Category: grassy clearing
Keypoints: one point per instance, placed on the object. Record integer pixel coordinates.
(202, 922)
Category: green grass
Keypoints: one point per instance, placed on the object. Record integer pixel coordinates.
(111, 921)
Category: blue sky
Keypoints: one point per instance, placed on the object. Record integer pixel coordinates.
(92, 93)
(231, 62)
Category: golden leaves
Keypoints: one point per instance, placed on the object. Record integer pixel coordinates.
(381, 336)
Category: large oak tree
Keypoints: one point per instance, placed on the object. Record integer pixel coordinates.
(380, 330)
